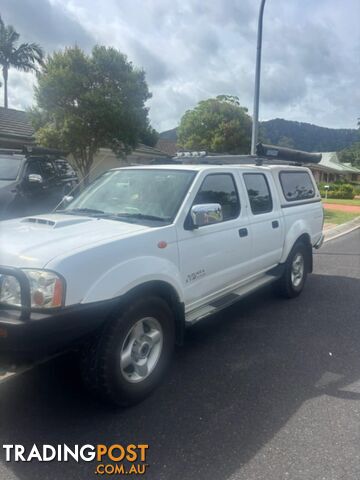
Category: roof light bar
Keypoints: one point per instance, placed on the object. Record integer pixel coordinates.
(201, 153)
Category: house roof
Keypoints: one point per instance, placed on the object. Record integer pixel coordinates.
(15, 124)
(140, 152)
(142, 149)
(331, 161)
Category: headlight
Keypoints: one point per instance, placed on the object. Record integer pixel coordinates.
(46, 289)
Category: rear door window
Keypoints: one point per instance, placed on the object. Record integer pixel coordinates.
(259, 193)
(297, 186)
(64, 168)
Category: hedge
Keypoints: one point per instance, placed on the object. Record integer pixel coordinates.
(338, 190)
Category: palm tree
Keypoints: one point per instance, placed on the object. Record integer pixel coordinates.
(26, 57)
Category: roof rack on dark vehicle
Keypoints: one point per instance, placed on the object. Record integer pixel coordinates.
(35, 150)
(11, 151)
(29, 151)
(265, 154)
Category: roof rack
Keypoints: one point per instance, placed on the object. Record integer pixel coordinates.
(29, 150)
(11, 151)
(35, 150)
(265, 154)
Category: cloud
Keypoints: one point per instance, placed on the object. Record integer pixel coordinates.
(192, 50)
(20, 89)
(156, 69)
(46, 23)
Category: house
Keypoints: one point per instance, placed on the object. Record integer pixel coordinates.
(330, 169)
(106, 159)
(167, 146)
(15, 129)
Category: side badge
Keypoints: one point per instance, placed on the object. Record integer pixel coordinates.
(162, 244)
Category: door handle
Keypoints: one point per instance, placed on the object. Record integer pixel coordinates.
(275, 224)
(243, 232)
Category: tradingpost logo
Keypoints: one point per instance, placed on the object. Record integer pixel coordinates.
(115, 459)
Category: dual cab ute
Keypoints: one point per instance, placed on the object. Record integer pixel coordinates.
(146, 251)
(32, 181)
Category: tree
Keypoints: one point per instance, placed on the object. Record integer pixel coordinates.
(85, 102)
(25, 57)
(150, 137)
(351, 155)
(218, 125)
(285, 141)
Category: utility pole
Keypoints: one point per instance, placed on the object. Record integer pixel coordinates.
(255, 125)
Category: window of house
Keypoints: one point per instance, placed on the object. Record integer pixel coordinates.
(297, 185)
(259, 193)
(220, 188)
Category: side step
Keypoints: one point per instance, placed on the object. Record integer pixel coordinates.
(223, 302)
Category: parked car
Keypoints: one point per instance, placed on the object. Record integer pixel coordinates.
(33, 182)
(146, 251)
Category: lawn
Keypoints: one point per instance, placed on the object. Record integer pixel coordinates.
(355, 201)
(339, 217)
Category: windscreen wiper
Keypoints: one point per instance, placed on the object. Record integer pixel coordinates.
(112, 216)
(90, 211)
(142, 216)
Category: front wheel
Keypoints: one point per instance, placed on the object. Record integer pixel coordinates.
(130, 359)
(292, 282)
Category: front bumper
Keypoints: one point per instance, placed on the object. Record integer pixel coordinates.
(27, 335)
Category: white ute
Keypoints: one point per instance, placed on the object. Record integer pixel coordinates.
(143, 252)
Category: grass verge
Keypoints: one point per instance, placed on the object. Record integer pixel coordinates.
(337, 218)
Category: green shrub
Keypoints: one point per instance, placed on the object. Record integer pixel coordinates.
(338, 190)
(338, 194)
(357, 189)
(332, 186)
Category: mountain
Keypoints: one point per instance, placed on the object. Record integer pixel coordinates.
(170, 135)
(303, 136)
(306, 136)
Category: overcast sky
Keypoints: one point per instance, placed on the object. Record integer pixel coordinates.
(195, 49)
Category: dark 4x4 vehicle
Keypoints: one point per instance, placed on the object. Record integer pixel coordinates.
(33, 182)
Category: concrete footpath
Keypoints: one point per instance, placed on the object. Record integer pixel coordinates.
(342, 229)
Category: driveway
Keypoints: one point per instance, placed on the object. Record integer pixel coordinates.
(268, 390)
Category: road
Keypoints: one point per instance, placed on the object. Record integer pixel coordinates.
(269, 389)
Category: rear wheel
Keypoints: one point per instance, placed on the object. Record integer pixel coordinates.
(293, 279)
(129, 360)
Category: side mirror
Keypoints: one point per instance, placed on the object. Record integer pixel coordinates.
(206, 214)
(35, 178)
(66, 200)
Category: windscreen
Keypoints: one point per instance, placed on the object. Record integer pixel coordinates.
(9, 167)
(136, 193)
